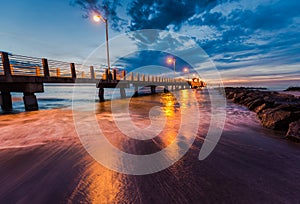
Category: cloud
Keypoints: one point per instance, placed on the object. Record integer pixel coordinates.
(159, 14)
(237, 34)
(107, 8)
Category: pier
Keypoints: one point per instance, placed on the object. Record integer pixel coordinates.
(28, 74)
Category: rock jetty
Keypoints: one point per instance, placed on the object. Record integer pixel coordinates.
(275, 110)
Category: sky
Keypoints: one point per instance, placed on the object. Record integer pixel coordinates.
(248, 42)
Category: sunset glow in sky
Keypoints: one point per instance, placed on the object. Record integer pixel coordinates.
(248, 41)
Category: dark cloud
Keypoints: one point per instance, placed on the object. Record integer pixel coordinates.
(107, 8)
(268, 31)
(265, 34)
(159, 14)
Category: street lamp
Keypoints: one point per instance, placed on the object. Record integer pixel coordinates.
(186, 70)
(171, 60)
(97, 18)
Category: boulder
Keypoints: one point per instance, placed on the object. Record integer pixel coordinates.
(240, 97)
(275, 111)
(230, 95)
(262, 107)
(294, 131)
(278, 119)
(255, 103)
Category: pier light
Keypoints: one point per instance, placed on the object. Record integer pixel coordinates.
(186, 70)
(172, 60)
(97, 18)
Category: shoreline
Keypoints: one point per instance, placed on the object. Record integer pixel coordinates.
(275, 110)
(62, 171)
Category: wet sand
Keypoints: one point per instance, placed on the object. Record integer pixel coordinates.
(42, 161)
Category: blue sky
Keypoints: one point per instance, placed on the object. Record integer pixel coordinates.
(256, 41)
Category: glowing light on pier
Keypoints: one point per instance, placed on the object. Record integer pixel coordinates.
(170, 60)
(97, 18)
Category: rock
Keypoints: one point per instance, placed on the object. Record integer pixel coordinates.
(275, 111)
(238, 97)
(294, 131)
(254, 104)
(262, 107)
(278, 119)
(230, 95)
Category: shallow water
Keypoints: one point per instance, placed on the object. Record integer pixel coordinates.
(41, 152)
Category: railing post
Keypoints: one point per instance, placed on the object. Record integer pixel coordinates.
(46, 67)
(92, 71)
(114, 74)
(11, 69)
(131, 76)
(108, 74)
(6, 64)
(37, 71)
(73, 70)
(124, 75)
(57, 72)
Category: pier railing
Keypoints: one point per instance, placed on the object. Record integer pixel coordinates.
(1, 65)
(19, 65)
(25, 74)
(23, 65)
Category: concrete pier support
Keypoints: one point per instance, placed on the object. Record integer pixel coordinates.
(5, 101)
(122, 93)
(101, 94)
(136, 91)
(166, 89)
(30, 102)
(153, 89)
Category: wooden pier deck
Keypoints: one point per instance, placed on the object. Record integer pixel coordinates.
(27, 75)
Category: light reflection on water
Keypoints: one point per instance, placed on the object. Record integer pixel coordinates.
(108, 186)
(101, 185)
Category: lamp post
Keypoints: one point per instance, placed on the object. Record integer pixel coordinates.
(186, 70)
(171, 60)
(98, 18)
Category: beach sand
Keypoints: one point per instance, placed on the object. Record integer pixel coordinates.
(43, 161)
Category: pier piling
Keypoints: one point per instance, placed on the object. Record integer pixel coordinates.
(136, 91)
(30, 102)
(122, 93)
(153, 89)
(6, 101)
(101, 94)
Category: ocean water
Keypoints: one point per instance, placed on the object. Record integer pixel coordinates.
(62, 95)
(67, 110)
(48, 151)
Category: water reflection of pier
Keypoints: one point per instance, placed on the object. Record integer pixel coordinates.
(28, 75)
